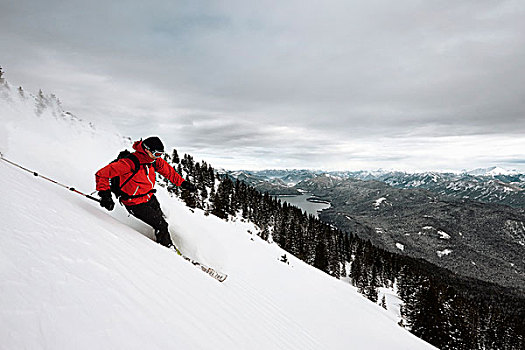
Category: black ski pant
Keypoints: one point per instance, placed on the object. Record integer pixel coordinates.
(152, 215)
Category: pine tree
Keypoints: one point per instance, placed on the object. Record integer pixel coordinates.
(175, 156)
(321, 256)
(371, 290)
(218, 204)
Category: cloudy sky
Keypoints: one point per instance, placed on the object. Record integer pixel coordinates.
(408, 85)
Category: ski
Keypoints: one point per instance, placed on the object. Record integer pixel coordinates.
(219, 276)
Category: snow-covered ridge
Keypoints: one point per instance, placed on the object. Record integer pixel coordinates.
(73, 275)
(492, 171)
(493, 186)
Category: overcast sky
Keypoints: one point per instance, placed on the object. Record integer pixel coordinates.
(408, 85)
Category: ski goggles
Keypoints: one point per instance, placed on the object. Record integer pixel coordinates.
(155, 153)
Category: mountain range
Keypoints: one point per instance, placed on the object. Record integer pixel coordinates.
(491, 185)
(472, 223)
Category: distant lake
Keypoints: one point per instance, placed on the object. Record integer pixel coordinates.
(302, 202)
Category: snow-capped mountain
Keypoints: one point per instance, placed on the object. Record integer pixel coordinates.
(505, 189)
(76, 276)
(289, 177)
(266, 181)
(492, 171)
(492, 185)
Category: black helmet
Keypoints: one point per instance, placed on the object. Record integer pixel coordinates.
(153, 144)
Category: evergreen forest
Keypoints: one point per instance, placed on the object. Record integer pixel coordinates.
(443, 308)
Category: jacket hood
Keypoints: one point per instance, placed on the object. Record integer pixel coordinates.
(140, 153)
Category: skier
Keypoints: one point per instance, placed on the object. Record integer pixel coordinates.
(136, 173)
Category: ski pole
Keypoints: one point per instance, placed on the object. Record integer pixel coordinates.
(48, 179)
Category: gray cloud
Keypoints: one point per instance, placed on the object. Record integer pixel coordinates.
(300, 83)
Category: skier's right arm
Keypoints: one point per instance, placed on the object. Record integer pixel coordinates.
(118, 168)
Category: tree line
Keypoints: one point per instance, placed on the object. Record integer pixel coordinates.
(443, 308)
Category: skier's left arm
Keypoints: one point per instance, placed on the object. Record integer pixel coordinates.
(168, 172)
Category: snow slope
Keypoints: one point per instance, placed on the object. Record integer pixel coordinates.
(74, 276)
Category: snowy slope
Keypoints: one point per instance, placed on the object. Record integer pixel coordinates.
(74, 276)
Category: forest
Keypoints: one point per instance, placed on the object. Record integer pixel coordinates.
(443, 308)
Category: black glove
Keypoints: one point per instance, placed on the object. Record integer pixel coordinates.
(105, 200)
(186, 185)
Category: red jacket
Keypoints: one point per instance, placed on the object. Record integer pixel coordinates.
(143, 181)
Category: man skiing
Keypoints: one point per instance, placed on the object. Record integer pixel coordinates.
(134, 176)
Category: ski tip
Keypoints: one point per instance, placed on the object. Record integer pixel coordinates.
(221, 277)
